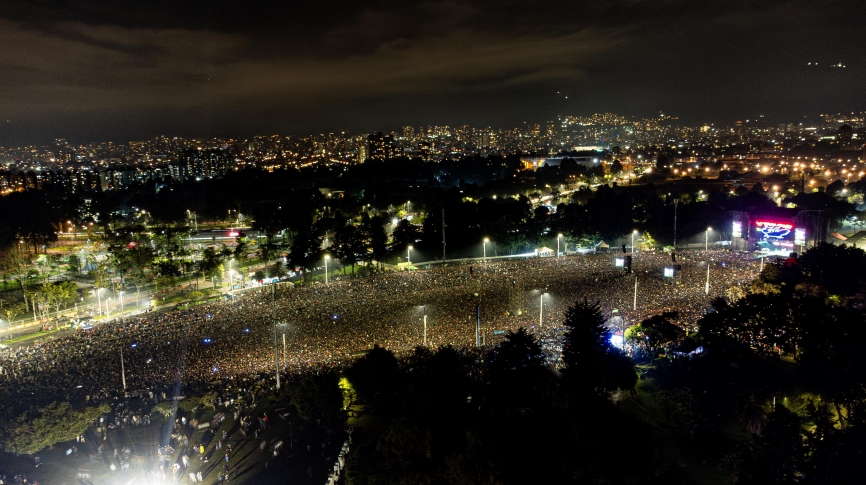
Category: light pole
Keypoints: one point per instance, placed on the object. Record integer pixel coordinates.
(327, 257)
(632, 240)
(408, 256)
(121, 302)
(541, 310)
(707, 238)
(558, 237)
(276, 345)
(484, 244)
(707, 286)
(107, 312)
(425, 329)
(122, 369)
(676, 202)
(634, 307)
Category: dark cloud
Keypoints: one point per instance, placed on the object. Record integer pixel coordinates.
(115, 70)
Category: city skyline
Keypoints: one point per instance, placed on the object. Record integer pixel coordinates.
(94, 71)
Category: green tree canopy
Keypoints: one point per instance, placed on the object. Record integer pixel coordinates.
(44, 427)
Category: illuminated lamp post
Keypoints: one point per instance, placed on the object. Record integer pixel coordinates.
(409, 256)
(484, 245)
(707, 239)
(276, 345)
(541, 310)
(327, 257)
(558, 237)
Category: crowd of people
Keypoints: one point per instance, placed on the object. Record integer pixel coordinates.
(319, 325)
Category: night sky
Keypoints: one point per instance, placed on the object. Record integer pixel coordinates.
(120, 70)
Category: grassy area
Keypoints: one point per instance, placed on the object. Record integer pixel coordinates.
(34, 335)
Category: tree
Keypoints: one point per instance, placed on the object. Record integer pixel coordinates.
(166, 408)
(318, 397)
(58, 294)
(99, 274)
(376, 378)
(373, 231)
(405, 234)
(836, 268)
(306, 251)
(44, 427)
(74, 264)
(519, 377)
(616, 167)
(276, 270)
(12, 308)
(16, 262)
(349, 246)
(777, 455)
(240, 252)
(593, 366)
(752, 416)
(210, 265)
(655, 332)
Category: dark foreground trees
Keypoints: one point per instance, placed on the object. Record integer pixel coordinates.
(787, 362)
(501, 416)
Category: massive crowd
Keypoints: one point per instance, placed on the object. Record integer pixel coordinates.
(321, 325)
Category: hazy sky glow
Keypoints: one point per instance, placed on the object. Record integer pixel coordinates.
(91, 70)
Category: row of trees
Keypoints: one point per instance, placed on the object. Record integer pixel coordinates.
(501, 416)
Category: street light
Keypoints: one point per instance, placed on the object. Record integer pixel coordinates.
(486, 240)
(276, 345)
(707, 286)
(541, 310)
(121, 302)
(707, 238)
(107, 312)
(327, 257)
(558, 237)
(632, 240)
(408, 256)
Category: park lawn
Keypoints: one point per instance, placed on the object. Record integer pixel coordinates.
(696, 460)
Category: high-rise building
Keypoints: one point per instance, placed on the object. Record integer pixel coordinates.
(381, 147)
(845, 135)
